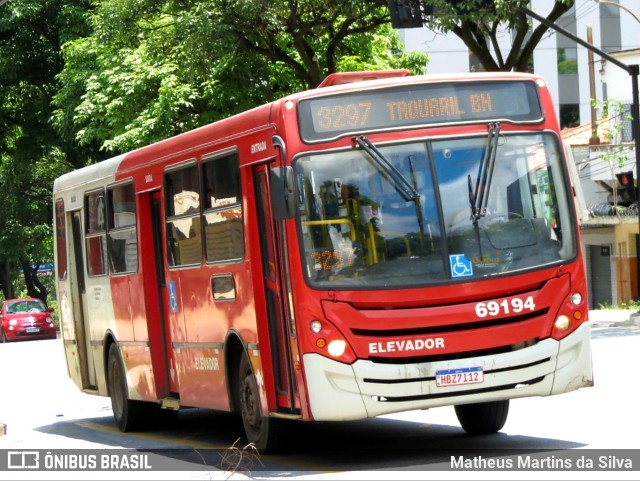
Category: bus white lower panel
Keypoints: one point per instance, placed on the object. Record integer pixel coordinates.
(367, 389)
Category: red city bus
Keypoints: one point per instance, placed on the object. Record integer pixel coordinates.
(380, 244)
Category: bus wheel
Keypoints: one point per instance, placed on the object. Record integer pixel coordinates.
(129, 415)
(483, 418)
(261, 431)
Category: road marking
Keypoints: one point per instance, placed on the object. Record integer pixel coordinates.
(164, 438)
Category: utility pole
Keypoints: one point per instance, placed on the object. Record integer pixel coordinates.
(594, 140)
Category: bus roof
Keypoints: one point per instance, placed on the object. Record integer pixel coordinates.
(88, 174)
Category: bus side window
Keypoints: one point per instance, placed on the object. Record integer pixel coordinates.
(182, 198)
(222, 216)
(122, 231)
(95, 233)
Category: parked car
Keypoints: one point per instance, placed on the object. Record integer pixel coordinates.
(22, 319)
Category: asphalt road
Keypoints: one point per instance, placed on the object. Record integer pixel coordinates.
(43, 409)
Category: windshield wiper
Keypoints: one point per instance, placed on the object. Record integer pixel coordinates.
(400, 183)
(479, 197)
(408, 191)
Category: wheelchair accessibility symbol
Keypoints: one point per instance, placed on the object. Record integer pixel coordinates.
(460, 266)
(173, 296)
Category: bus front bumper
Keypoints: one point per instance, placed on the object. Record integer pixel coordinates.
(366, 389)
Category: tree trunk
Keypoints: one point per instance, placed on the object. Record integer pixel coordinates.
(5, 280)
(35, 288)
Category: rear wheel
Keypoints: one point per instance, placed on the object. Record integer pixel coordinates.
(483, 418)
(261, 431)
(130, 415)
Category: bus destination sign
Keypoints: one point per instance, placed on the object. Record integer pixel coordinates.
(427, 104)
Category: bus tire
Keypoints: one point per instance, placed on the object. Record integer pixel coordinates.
(483, 418)
(261, 431)
(129, 415)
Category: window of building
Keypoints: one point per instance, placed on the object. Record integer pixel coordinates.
(567, 61)
(474, 63)
(569, 115)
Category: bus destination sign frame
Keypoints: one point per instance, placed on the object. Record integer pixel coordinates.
(417, 105)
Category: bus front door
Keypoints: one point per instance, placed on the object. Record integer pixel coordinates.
(156, 295)
(80, 310)
(280, 321)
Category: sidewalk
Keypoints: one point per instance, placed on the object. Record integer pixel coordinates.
(614, 317)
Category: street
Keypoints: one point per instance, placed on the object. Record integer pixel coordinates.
(42, 409)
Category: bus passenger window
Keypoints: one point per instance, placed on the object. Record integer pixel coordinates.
(184, 239)
(123, 243)
(61, 240)
(95, 233)
(224, 234)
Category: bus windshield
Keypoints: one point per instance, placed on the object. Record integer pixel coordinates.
(359, 227)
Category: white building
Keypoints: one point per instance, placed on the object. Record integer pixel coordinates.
(561, 61)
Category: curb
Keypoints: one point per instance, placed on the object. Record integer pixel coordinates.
(616, 319)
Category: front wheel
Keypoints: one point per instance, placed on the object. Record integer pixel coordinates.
(483, 418)
(261, 431)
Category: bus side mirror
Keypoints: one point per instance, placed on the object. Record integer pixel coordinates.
(283, 202)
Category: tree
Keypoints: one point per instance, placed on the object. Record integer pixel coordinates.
(31, 155)
(478, 22)
(152, 69)
(81, 80)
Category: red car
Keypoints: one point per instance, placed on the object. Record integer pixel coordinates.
(22, 319)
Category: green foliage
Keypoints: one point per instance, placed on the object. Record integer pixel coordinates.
(82, 80)
(565, 65)
(151, 69)
(31, 152)
(614, 109)
(380, 51)
(630, 305)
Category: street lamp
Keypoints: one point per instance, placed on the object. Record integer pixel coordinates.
(606, 2)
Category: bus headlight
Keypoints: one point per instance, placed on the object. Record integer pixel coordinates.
(571, 316)
(337, 347)
(315, 326)
(327, 340)
(562, 323)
